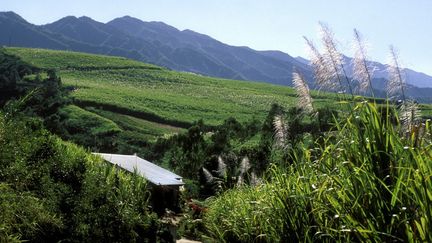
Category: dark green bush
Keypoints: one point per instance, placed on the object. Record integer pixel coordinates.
(23, 216)
(52, 190)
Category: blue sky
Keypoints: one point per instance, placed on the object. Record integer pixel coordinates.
(267, 24)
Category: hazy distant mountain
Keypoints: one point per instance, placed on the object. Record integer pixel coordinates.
(414, 78)
(18, 32)
(113, 41)
(153, 42)
(161, 44)
(419, 85)
(245, 62)
(157, 50)
(302, 60)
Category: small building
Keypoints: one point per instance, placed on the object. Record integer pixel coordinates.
(164, 185)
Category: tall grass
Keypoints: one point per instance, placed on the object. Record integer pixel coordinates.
(364, 183)
(367, 180)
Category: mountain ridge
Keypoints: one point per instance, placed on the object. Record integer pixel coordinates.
(164, 45)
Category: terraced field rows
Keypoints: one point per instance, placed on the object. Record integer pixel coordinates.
(147, 92)
(171, 96)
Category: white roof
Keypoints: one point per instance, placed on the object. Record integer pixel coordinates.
(153, 173)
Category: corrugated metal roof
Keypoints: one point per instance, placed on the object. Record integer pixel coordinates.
(155, 174)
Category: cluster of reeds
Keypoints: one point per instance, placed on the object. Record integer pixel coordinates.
(224, 178)
(368, 180)
(365, 183)
(331, 74)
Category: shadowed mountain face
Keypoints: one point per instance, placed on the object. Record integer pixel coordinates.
(244, 62)
(16, 31)
(164, 45)
(153, 42)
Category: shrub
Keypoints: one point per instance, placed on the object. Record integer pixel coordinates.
(52, 190)
(25, 217)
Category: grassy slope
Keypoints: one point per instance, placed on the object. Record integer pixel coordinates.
(170, 95)
(152, 93)
(82, 118)
(133, 124)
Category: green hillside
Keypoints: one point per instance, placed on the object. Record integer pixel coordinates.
(357, 174)
(161, 95)
(151, 101)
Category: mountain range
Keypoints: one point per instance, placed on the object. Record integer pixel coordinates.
(164, 45)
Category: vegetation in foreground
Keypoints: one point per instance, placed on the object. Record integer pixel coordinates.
(52, 190)
(367, 180)
(363, 182)
(42, 97)
(364, 179)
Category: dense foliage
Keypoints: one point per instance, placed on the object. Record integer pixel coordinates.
(40, 91)
(358, 174)
(12, 71)
(366, 180)
(363, 183)
(158, 94)
(52, 190)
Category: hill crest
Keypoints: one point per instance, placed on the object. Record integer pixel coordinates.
(163, 45)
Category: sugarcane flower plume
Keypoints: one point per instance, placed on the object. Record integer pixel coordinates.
(244, 165)
(396, 83)
(332, 56)
(255, 180)
(303, 93)
(335, 58)
(221, 167)
(281, 130)
(362, 69)
(208, 176)
(409, 115)
(322, 72)
(328, 40)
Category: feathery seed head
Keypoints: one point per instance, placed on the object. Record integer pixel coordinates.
(244, 165)
(281, 130)
(305, 99)
(409, 115)
(221, 167)
(363, 70)
(335, 59)
(207, 175)
(254, 180)
(322, 71)
(330, 46)
(396, 81)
